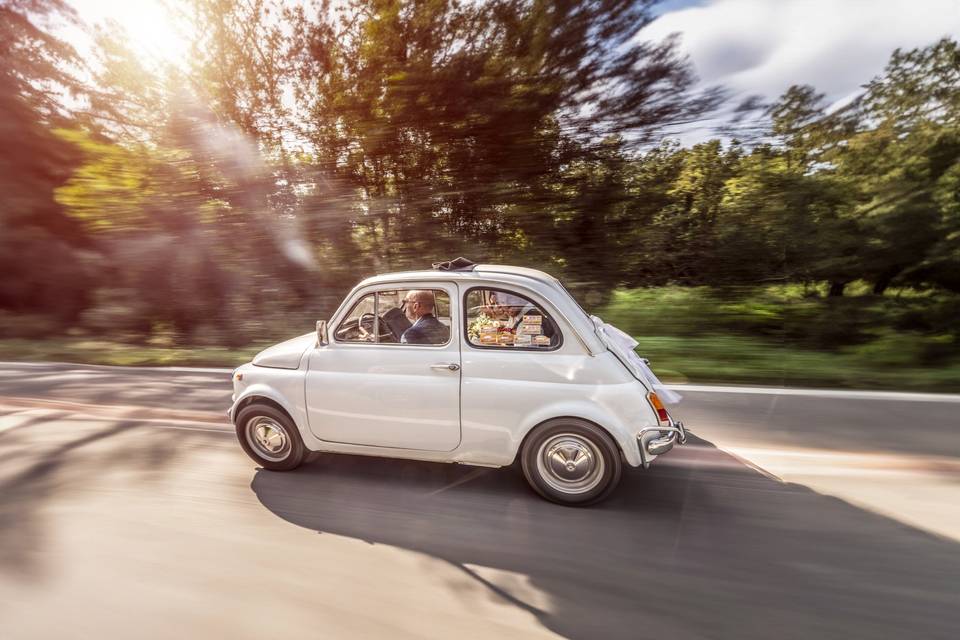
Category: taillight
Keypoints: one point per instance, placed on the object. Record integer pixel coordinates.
(662, 414)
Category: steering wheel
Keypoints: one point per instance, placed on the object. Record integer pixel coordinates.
(366, 333)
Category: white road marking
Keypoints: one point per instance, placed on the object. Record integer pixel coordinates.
(119, 367)
(900, 396)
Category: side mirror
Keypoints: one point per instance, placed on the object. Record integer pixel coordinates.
(321, 333)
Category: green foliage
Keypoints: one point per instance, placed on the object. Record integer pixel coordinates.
(742, 359)
(785, 335)
(789, 314)
(460, 123)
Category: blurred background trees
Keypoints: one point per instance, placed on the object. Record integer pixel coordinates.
(34, 163)
(304, 146)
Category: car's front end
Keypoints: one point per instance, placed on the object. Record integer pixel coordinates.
(274, 376)
(241, 380)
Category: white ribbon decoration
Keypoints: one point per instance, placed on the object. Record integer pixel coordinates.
(623, 345)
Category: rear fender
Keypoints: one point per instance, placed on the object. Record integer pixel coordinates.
(623, 435)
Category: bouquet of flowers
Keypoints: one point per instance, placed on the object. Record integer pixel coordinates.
(476, 326)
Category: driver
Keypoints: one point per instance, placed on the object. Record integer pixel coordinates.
(418, 305)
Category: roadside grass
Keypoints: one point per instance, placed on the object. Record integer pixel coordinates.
(98, 351)
(776, 335)
(794, 335)
(736, 359)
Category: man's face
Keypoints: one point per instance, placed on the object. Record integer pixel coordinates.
(410, 308)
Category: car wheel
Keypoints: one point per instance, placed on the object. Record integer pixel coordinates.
(270, 438)
(571, 462)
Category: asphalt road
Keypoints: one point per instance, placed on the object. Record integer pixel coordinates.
(128, 510)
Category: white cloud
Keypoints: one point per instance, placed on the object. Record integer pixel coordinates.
(764, 46)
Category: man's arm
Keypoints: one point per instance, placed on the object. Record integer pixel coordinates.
(411, 336)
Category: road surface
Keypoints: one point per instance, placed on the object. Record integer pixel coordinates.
(128, 510)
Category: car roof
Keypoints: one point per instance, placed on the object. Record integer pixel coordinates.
(480, 271)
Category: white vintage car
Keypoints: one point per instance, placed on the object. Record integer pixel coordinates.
(472, 364)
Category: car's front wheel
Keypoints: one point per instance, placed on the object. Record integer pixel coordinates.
(270, 438)
(571, 462)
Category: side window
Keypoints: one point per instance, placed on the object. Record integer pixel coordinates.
(398, 316)
(502, 319)
(358, 326)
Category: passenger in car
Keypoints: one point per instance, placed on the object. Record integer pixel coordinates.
(418, 305)
(516, 307)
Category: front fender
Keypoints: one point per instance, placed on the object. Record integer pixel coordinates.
(260, 391)
(281, 386)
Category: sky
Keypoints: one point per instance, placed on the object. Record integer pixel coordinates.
(148, 23)
(763, 46)
(750, 46)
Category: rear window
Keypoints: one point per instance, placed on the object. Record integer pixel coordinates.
(502, 319)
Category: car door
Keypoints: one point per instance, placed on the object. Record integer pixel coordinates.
(366, 387)
(516, 360)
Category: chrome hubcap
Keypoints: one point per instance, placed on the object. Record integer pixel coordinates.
(570, 463)
(268, 438)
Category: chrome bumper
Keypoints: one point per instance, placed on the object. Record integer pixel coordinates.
(651, 448)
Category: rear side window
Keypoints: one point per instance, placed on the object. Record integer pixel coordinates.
(501, 319)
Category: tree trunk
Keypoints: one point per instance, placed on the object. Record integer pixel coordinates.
(884, 279)
(836, 288)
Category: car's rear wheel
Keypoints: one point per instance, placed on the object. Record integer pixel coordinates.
(270, 438)
(571, 462)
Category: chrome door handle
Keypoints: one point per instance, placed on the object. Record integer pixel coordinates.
(449, 366)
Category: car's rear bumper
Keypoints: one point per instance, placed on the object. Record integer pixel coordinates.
(656, 441)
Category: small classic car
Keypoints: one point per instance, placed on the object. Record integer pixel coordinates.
(464, 363)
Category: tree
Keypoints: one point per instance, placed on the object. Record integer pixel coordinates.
(445, 116)
(34, 73)
(905, 159)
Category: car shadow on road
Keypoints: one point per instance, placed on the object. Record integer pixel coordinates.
(701, 546)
